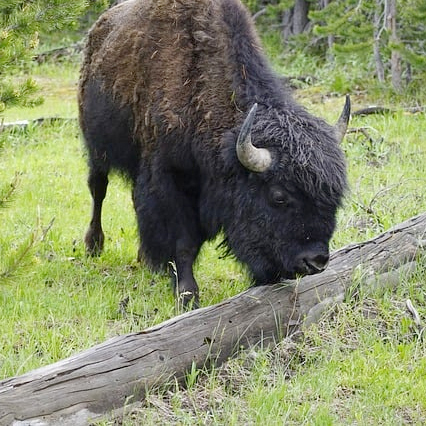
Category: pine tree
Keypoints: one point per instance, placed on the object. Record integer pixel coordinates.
(349, 22)
(412, 22)
(384, 38)
(21, 23)
(387, 36)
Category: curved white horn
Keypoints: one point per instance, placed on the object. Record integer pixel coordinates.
(252, 158)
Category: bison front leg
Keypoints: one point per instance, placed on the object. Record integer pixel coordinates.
(170, 230)
(184, 284)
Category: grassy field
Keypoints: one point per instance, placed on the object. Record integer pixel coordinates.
(364, 364)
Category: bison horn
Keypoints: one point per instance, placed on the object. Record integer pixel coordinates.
(342, 122)
(252, 158)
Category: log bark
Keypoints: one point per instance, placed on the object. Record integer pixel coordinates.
(112, 374)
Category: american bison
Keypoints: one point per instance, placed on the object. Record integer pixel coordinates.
(178, 95)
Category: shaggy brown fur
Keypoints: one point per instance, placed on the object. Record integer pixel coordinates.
(171, 62)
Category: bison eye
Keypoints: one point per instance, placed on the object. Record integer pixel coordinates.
(278, 196)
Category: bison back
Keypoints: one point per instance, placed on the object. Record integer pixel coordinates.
(162, 72)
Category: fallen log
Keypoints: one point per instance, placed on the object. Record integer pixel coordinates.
(383, 110)
(112, 374)
(24, 124)
(60, 53)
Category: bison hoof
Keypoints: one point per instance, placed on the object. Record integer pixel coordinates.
(94, 242)
(187, 301)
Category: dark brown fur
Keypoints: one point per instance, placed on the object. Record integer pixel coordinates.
(170, 62)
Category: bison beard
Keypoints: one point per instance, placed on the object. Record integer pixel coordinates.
(179, 97)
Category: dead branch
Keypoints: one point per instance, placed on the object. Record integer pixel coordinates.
(364, 131)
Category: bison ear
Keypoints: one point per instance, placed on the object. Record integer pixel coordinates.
(252, 158)
(342, 123)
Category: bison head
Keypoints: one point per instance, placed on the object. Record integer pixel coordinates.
(291, 180)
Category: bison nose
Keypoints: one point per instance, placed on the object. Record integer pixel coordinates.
(317, 263)
(309, 263)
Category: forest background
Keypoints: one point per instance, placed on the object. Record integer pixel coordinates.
(375, 43)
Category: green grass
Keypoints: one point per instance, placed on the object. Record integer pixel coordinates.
(57, 85)
(362, 365)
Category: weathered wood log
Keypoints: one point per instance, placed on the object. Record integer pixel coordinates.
(23, 124)
(119, 371)
(373, 110)
(60, 53)
(384, 110)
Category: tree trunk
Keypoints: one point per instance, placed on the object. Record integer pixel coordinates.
(119, 371)
(295, 19)
(300, 16)
(287, 24)
(378, 13)
(394, 40)
(330, 37)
